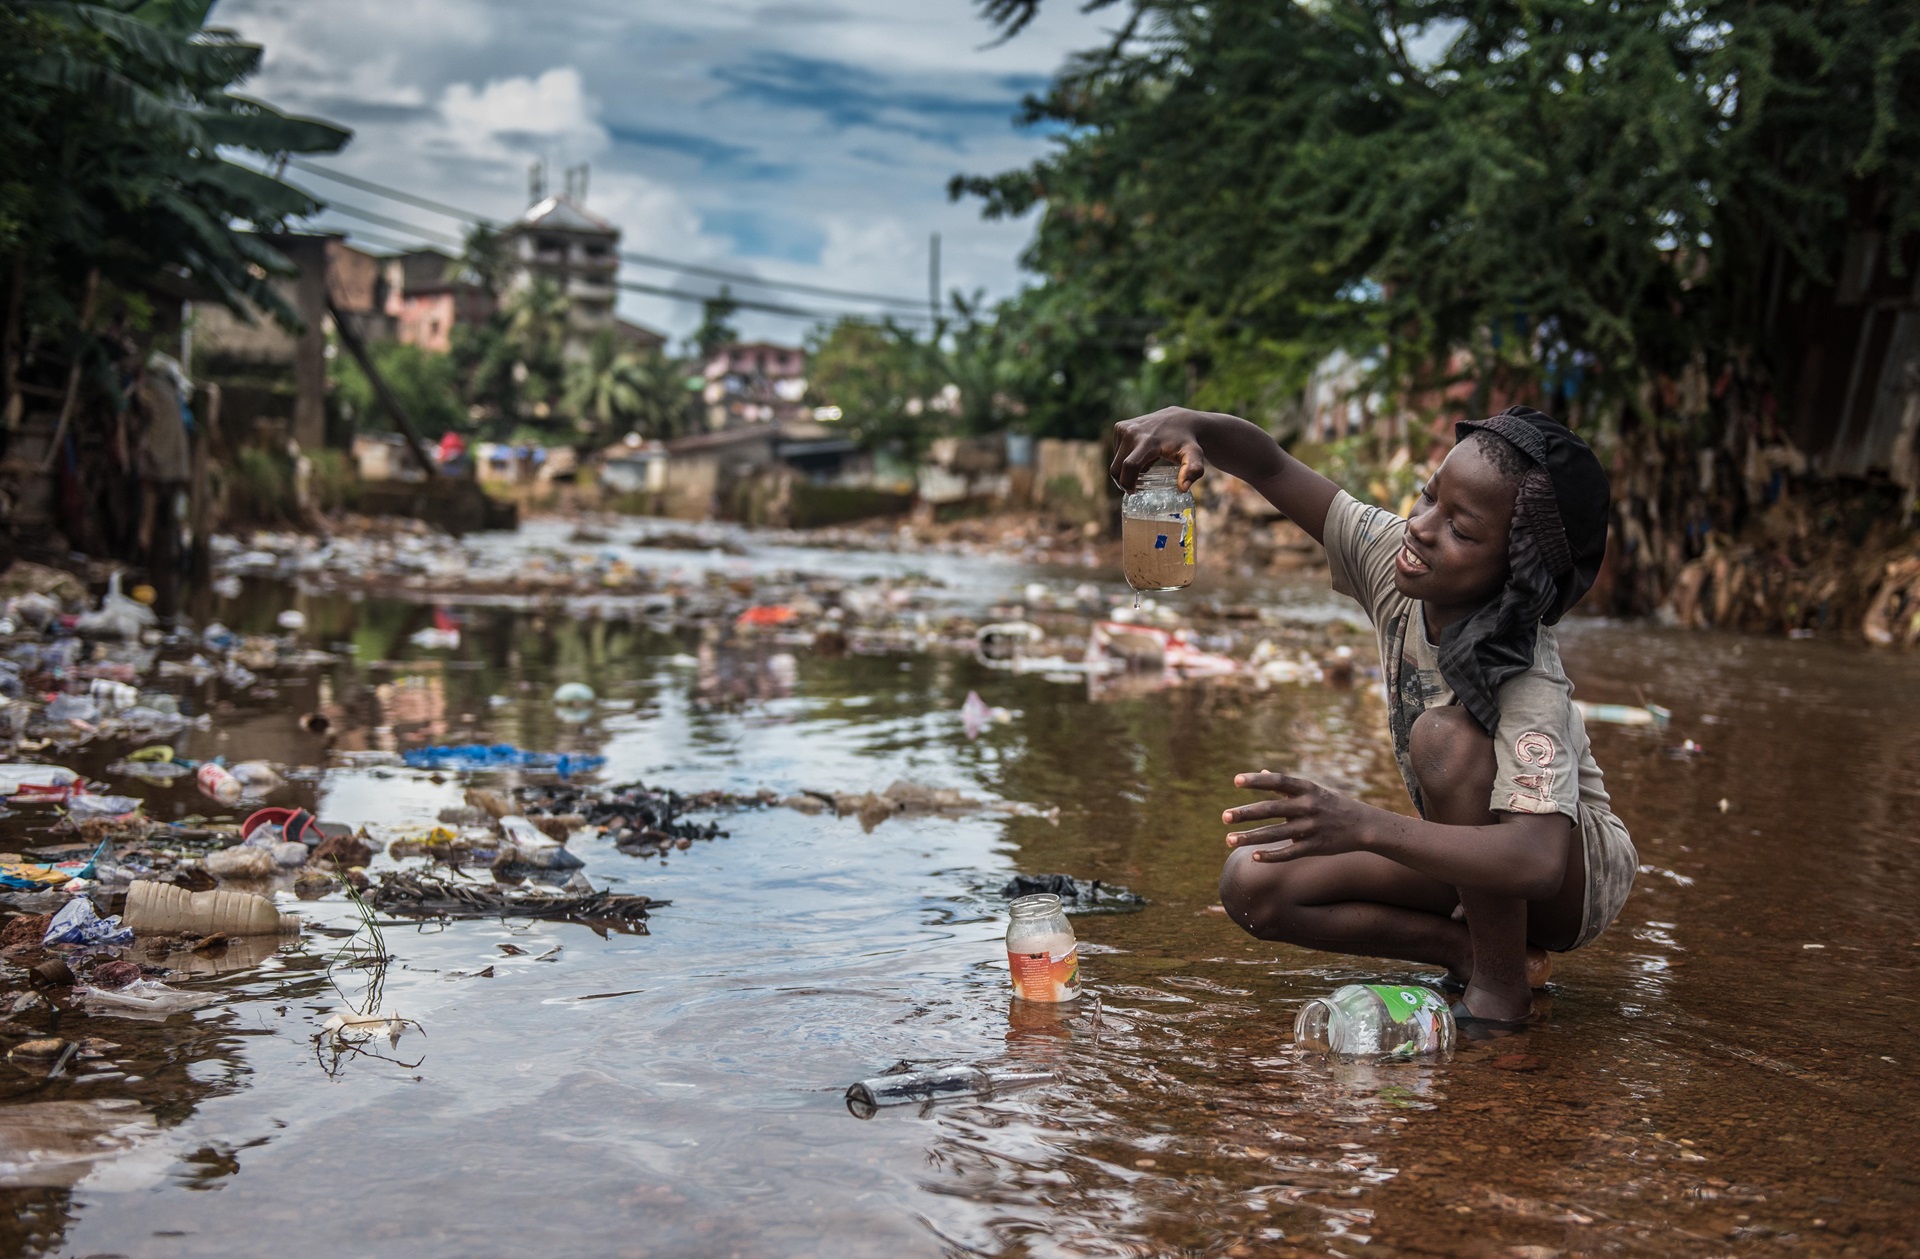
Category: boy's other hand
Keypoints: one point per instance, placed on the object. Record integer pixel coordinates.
(1171, 434)
(1313, 821)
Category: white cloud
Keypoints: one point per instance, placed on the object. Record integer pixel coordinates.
(554, 105)
(785, 121)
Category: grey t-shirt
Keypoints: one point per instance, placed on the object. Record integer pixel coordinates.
(1544, 762)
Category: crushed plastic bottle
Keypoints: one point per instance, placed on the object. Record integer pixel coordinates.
(64, 708)
(529, 845)
(914, 1087)
(82, 806)
(1369, 1020)
(21, 774)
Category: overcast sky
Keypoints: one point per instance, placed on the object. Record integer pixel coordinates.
(801, 140)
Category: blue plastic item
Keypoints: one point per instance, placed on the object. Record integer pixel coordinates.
(78, 924)
(483, 756)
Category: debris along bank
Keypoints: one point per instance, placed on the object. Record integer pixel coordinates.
(803, 591)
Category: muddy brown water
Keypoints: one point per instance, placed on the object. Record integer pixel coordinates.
(1727, 1071)
(1156, 553)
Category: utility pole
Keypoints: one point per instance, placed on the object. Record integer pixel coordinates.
(933, 276)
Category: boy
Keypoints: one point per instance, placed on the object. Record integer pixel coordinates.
(1515, 851)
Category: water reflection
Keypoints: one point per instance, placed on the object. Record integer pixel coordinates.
(690, 1082)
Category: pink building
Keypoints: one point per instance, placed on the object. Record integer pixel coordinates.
(755, 382)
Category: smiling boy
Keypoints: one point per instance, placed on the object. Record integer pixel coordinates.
(1516, 850)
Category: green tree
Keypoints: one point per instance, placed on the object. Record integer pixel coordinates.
(535, 334)
(716, 324)
(427, 385)
(886, 381)
(617, 391)
(120, 129)
(1570, 201)
(486, 261)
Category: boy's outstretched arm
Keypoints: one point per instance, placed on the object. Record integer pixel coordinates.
(1194, 439)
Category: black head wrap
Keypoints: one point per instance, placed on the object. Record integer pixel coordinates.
(1558, 539)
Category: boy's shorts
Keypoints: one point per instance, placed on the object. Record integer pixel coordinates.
(1611, 864)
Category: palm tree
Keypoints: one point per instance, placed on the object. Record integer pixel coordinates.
(616, 388)
(535, 333)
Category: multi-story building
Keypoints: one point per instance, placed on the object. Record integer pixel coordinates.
(755, 382)
(559, 240)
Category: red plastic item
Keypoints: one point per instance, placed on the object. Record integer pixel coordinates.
(767, 614)
(293, 824)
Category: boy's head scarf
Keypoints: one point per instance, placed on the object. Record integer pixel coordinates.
(1558, 539)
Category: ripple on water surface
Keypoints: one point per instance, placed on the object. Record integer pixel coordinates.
(1724, 1071)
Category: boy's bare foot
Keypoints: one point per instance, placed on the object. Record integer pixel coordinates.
(1492, 1009)
(1539, 970)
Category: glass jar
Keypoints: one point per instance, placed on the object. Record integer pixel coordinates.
(1156, 531)
(1041, 951)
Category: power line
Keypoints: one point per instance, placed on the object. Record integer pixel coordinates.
(634, 286)
(353, 211)
(639, 259)
(744, 303)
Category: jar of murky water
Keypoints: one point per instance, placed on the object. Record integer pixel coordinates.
(1156, 531)
(1041, 951)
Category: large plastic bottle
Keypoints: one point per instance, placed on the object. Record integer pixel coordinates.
(1372, 1019)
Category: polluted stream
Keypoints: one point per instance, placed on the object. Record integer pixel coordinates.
(1722, 1072)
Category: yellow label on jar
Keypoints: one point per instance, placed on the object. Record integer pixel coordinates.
(1186, 536)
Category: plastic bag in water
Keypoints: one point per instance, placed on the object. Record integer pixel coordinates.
(79, 924)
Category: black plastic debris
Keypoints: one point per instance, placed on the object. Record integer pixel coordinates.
(1075, 896)
(410, 894)
(637, 818)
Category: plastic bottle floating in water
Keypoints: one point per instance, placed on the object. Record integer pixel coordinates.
(1041, 950)
(1376, 1019)
(1157, 532)
(918, 1087)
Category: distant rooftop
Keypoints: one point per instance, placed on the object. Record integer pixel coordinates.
(561, 213)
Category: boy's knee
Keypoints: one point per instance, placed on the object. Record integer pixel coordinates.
(1254, 894)
(1452, 757)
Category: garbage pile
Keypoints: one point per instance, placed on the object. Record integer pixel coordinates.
(1067, 633)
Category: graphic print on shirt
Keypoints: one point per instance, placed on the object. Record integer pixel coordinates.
(1535, 790)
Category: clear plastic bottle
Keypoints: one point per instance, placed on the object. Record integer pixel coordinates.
(1042, 953)
(868, 1096)
(1373, 1019)
(1157, 531)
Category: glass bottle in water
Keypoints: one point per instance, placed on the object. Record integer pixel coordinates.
(1374, 1019)
(1041, 950)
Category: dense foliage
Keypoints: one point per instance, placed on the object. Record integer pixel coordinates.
(117, 125)
(1567, 196)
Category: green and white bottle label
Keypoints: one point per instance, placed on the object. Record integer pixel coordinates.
(1402, 1003)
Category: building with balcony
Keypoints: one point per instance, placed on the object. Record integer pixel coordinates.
(559, 240)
